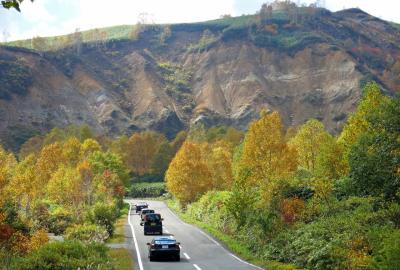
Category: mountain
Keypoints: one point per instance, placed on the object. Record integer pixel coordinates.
(304, 62)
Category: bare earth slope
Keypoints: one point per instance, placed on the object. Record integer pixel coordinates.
(219, 72)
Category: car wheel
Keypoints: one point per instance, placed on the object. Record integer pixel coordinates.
(151, 258)
(161, 233)
(145, 233)
(178, 258)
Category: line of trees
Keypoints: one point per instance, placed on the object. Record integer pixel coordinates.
(302, 196)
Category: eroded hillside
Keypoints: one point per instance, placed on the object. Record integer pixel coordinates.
(218, 72)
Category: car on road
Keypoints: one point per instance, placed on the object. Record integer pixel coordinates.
(140, 205)
(164, 246)
(144, 212)
(152, 224)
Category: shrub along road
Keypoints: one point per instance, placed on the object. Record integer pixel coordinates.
(199, 251)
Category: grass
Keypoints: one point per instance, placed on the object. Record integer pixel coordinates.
(119, 233)
(121, 259)
(232, 244)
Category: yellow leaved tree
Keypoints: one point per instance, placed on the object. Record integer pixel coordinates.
(219, 161)
(188, 177)
(357, 123)
(308, 142)
(266, 155)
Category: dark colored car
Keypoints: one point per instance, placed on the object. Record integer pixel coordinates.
(152, 224)
(140, 205)
(164, 246)
(144, 212)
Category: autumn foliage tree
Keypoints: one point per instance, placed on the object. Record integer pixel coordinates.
(141, 149)
(188, 176)
(357, 122)
(308, 142)
(266, 155)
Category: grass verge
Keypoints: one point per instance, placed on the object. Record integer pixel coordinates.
(121, 259)
(119, 232)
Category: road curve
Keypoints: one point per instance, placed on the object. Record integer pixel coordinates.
(199, 251)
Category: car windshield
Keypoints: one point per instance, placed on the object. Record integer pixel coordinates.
(165, 242)
(153, 217)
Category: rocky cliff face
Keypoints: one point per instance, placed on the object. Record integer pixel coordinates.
(220, 72)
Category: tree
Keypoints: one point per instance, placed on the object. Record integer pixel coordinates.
(105, 162)
(266, 155)
(12, 4)
(88, 147)
(7, 164)
(308, 142)
(71, 151)
(24, 187)
(141, 149)
(162, 158)
(188, 177)
(179, 140)
(65, 188)
(357, 122)
(330, 163)
(47, 163)
(375, 157)
(219, 161)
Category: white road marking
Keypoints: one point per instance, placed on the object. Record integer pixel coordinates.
(175, 215)
(186, 255)
(134, 239)
(240, 260)
(209, 237)
(196, 266)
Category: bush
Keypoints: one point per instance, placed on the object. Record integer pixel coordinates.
(211, 209)
(87, 233)
(388, 256)
(143, 190)
(59, 221)
(65, 255)
(104, 215)
(338, 239)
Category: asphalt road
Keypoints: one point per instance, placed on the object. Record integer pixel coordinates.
(199, 251)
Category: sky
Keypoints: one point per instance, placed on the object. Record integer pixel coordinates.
(57, 17)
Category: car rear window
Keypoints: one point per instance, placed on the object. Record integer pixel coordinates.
(153, 217)
(165, 242)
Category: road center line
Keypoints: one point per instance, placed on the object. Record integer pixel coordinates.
(196, 266)
(139, 258)
(187, 256)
